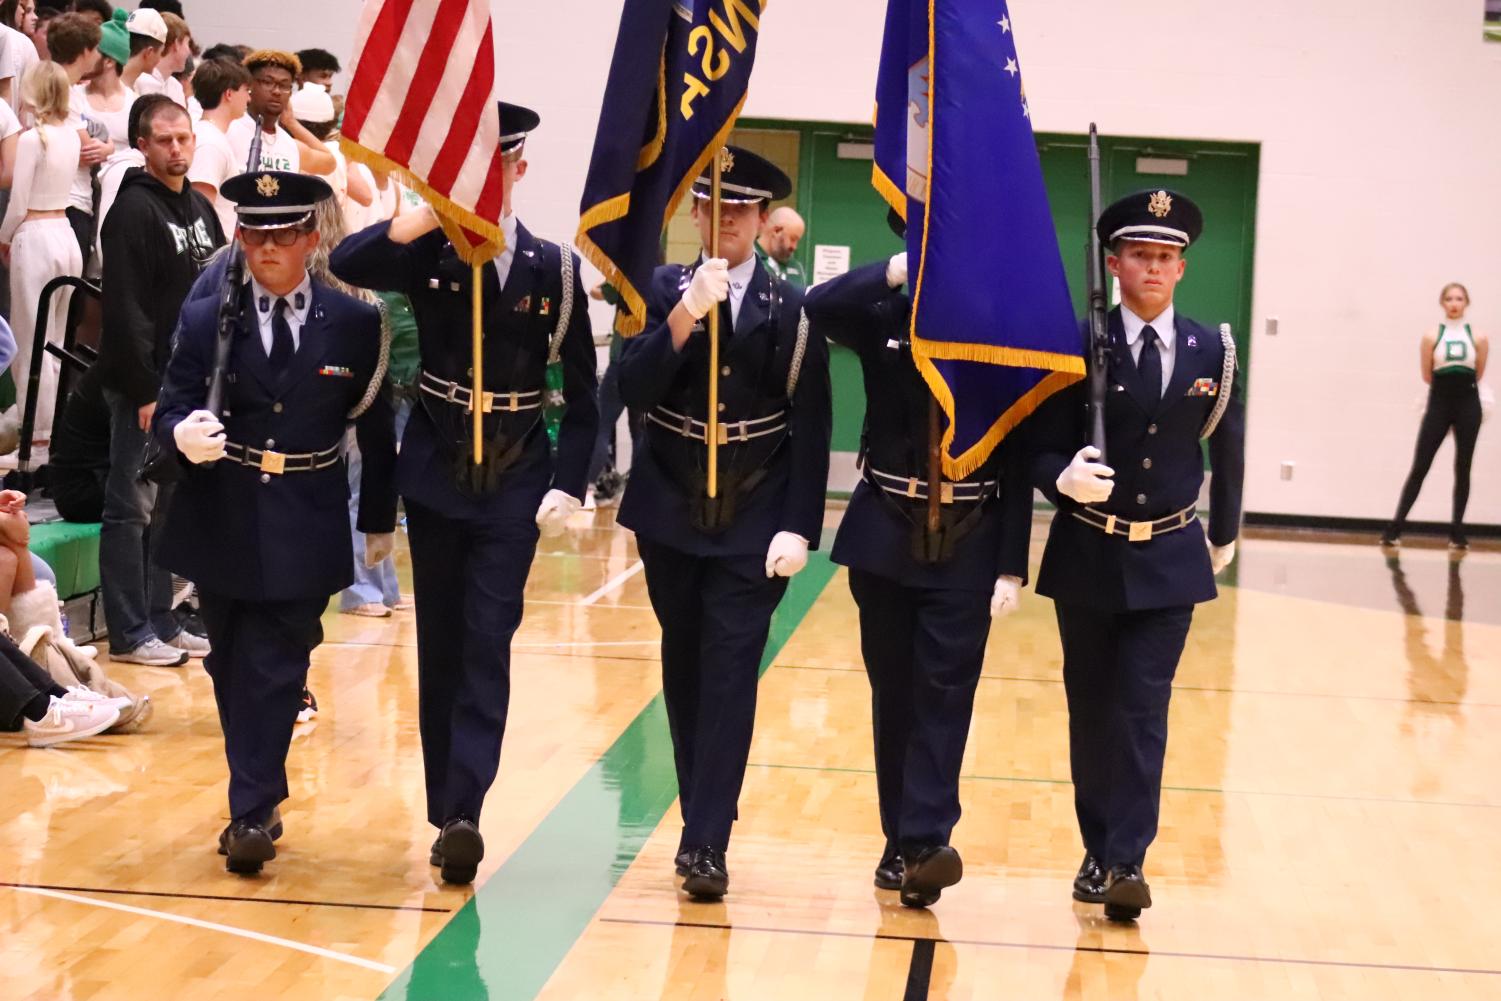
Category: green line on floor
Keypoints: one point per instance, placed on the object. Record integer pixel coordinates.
(505, 943)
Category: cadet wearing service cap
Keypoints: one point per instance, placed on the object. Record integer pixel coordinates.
(473, 528)
(1127, 557)
(716, 568)
(259, 521)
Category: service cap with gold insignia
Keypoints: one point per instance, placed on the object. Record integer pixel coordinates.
(748, 178)
(274, 199)
(1154, 216)
(516, 123)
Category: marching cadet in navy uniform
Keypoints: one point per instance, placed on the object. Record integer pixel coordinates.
(926, 599)
(473, 529)
(716, 569)
(1126, 558)
(259, 522)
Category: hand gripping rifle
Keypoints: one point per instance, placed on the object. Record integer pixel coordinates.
(229, 298)
(1099, 333)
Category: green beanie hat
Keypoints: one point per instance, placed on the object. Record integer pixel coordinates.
(114, 40)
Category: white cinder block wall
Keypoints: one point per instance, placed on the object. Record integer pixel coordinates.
(1380, 147)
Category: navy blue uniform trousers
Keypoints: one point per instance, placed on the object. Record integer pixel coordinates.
(468, 575)
(923, 650)
(715, 613)
(258, 665)
(1118, 670)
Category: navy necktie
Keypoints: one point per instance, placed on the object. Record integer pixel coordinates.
(281, 336)
(1149, 365)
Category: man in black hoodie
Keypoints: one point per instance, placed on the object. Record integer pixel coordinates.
(156, 238)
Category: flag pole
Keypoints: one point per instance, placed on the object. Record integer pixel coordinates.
(935, 465)
(477, 400)
(711, 425)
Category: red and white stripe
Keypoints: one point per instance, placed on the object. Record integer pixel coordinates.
(422, 97)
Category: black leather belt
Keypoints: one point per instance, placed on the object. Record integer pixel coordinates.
(959, 492)
(1136, 531)
(730, 432)
(278, 463)
(513, 401)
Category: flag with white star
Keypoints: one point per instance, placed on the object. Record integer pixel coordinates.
(993, 327)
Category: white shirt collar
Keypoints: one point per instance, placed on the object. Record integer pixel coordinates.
(742, 273)
(1167, 337)
(299, 301)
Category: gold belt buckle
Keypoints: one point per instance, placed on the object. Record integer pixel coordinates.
(1110, 524)
(912, 486)
(722, 433)
(273, 462)
(945, 493)
(1140, 531)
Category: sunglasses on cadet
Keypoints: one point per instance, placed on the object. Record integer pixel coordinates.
(283, 237)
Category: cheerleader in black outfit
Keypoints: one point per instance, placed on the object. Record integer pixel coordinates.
(1453, 362)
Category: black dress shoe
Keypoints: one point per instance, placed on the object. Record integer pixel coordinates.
(708, 877)
(273, 828)
(247, 847)
(1089, 884)
(435, 853)
(459, 849)
(682, 861)
(1126, 893)
(889, 869)
(927, 872)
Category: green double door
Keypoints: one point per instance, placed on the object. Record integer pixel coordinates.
(830, 165)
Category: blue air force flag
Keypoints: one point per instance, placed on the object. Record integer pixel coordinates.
(993, 327)
(677, 82)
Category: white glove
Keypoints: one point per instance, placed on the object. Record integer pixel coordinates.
(709, 288)
(554, 511)
(378, 548)
(1221, 556)
(1086, 481)
(896, 270)
(787, 554)
(1007, 596)
(200, 437)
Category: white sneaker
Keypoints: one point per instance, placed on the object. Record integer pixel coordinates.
(153, 653)
(78, 693)
(196, 646)
(70, 720)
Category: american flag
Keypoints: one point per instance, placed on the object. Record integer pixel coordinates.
(422, 105)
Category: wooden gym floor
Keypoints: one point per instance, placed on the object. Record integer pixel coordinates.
(1332, 792)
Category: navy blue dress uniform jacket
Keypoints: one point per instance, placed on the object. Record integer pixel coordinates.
(255, 536)
(518, 325)
(860, 311)
(1153, 446)
(754, 359)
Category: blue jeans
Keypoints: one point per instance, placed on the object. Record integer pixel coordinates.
(378, 584)
(137, 593)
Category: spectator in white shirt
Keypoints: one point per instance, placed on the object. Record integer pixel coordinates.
(285, 145)
(177, 49)
(10, 134)
(223, 88)
(74, 44)
(35, 233)
(147, 33)
(17, 53)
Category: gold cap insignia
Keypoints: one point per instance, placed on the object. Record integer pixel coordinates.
(268, 186)
(726, 160)
(1161, 204)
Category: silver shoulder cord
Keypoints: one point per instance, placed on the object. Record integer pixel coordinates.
(1227, 383)
(378, 377)
(565, 308)
(795, 369)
